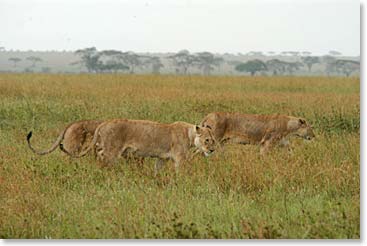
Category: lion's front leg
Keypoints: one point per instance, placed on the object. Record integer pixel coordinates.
(158, 165)
(284, 143)
(178, 160)
(268, 142)
(107, 156)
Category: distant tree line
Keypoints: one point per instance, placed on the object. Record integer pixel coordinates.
(279, 67)
(183, 62)
(118, 61)
(32, 59)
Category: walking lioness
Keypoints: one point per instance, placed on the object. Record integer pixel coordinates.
(73, 137)
(266, 130)
(143, 138)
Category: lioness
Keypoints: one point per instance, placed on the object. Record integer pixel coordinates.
(143, 138)
(74, 137)
(266, 130)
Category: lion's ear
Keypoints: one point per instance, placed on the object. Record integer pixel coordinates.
(198, 129)
(207, 126)
(302, 121)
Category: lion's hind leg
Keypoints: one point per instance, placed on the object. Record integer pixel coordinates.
(73, 139)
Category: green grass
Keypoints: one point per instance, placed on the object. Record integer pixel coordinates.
(236, 193)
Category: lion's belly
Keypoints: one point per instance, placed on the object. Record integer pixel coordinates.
(149, 147)
(252, 133)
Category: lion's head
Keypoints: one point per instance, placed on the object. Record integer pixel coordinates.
(204, 140)
(300, 128)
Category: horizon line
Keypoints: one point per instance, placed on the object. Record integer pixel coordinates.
(266, 53)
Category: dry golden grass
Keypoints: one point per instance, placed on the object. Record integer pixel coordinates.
(312, 193)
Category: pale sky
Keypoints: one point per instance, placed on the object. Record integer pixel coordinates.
(171, 25)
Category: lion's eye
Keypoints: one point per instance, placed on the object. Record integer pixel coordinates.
(207, 140)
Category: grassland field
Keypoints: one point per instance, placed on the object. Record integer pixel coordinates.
(313, 192)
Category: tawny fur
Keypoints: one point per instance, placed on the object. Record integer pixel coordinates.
(143, 138)
(266, 130)
(74, 137)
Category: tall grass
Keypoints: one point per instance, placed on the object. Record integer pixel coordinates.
(314, 192)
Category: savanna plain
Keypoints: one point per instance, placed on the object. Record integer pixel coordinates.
(311, 192)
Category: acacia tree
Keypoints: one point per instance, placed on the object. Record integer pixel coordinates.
(291, 67)
(15, 60)
(131, 59)
(106, 55)
(156, 64)
(282, 67)
(330, 66)
(112, 66)
(183, 60)
(90, 58)
(207, 61)
(34, 60)
(347, 67)
(276, 66)
(111, 61)
(251, 66)
(310, 61)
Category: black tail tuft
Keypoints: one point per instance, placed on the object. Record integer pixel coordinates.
(29, 135)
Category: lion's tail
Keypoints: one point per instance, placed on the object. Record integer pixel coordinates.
(90, 146)
(53, 147)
